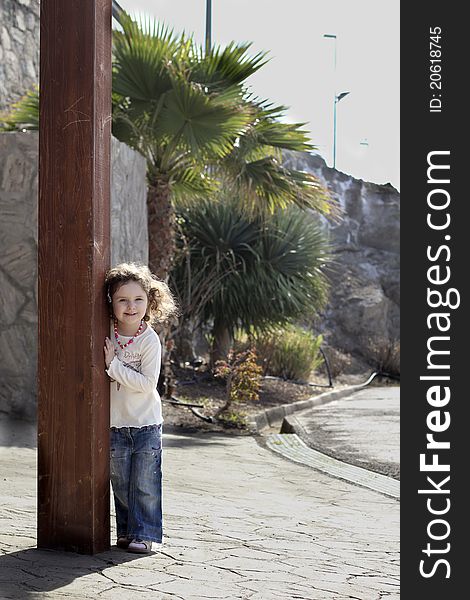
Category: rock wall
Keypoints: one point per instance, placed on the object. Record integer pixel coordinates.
(363, 314)
(18, 254)
(19, 49)
(129, 230)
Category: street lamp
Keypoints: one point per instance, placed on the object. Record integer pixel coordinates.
(337, 99)
(333, 37)
(208, 25)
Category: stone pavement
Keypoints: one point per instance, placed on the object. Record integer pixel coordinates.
(240, 523)
(293, 447)
(362, 429)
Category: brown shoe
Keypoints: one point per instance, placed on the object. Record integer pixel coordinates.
(123, 542)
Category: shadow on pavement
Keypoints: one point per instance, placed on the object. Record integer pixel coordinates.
(26, 573)
(23, 434)
(175, 439)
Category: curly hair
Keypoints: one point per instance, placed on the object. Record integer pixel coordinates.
(161, 304)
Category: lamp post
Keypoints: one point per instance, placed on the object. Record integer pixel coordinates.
(331, 36)
(337, 99)
(208, 25)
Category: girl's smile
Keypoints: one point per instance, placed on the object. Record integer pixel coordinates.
(129, 306)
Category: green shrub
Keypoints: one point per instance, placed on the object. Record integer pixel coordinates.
(288, 352)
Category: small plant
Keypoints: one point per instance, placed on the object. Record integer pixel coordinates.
(242, 375)
(289, 352)
(235, 419)
(384, 355)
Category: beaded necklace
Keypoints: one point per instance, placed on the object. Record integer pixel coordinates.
(116, 335)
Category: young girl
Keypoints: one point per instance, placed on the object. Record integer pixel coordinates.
(136, 300)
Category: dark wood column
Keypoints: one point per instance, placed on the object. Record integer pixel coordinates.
(74, 242)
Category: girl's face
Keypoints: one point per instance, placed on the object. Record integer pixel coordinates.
(130, 304)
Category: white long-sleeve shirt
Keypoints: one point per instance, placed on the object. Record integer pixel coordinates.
(134, 374)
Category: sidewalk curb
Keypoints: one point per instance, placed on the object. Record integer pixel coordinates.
(270, 416)
(292, 446)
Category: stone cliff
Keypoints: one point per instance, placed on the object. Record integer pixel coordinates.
(363, 315)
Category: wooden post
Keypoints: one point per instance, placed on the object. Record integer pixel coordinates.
(74, 242)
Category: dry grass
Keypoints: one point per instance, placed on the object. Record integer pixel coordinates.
(384, 355)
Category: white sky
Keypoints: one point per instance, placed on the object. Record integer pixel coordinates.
(301, 71)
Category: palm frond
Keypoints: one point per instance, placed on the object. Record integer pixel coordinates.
(200, 122)
(225, 67)
(263, 272)
(190, 184)
(142, 55)
(288, 136)
(24, 114)
(262, 186)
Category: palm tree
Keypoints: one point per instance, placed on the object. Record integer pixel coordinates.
(192, 117)
(234, 272)
(179, 120)
(190, 114)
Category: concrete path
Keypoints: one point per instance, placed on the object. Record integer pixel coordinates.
(241, 523)
(362, 429)
(294, 448)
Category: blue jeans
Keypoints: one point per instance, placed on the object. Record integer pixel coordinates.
(136, 477)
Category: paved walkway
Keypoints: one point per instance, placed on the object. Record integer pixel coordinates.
(293, 447)
(241, 523)
(362, 429)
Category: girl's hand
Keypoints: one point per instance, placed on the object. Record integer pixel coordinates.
(108, 352)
